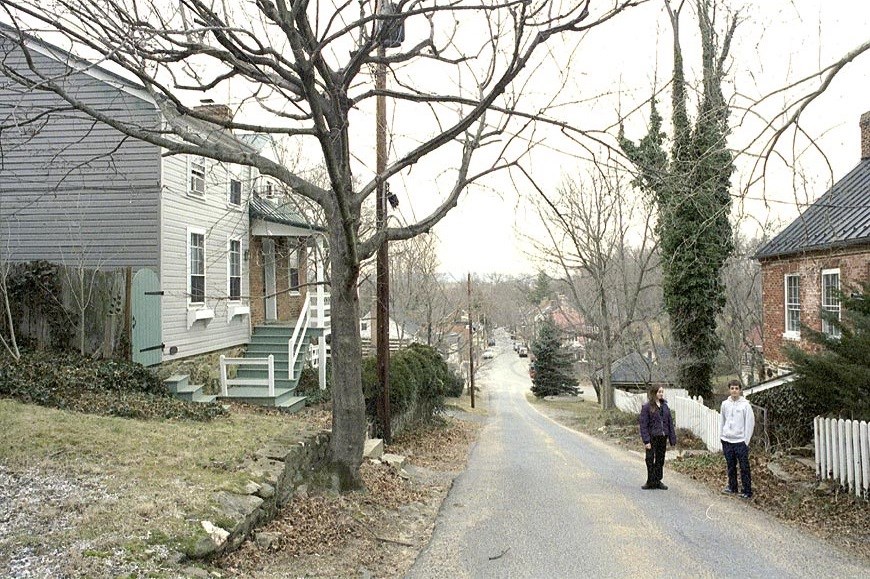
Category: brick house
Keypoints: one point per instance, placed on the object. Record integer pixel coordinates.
(825, 249)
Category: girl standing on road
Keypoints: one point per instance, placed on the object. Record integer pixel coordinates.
(656, 429)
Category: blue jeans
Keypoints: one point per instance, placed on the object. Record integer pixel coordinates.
(737, 452)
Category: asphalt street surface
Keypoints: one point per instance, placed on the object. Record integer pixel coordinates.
(540, 500)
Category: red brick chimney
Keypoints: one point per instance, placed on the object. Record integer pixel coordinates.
(223, 113)
(865, 135)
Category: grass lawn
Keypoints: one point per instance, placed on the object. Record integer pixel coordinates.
(135, 487)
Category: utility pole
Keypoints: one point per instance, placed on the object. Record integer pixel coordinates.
(470, 345)
(389, 34)
(383, 264)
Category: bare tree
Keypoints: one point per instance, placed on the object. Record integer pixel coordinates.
(590, 230)
(302, 70)
(740, 322)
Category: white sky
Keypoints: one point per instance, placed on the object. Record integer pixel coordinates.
(776, 43)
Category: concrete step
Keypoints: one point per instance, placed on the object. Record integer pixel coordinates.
(176, 381)
(259, 395)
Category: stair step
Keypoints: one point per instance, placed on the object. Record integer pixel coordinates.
(176, 381)
(189, 392)
(260, 395)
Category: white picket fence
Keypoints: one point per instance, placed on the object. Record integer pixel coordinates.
(843, 453)
(689, 413)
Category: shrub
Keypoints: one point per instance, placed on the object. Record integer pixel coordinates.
(419, 380)
(789, 415)
(107, 387)
(309, 385)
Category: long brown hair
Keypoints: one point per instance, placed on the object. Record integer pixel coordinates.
(652, 396)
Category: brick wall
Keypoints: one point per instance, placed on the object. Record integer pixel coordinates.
(288, 305)
(854, 266)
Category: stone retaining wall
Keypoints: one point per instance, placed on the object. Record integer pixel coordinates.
(277, 471)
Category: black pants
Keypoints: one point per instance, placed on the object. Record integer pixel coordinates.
(737, 452)
(655, 459)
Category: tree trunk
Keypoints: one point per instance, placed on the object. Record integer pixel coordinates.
(348, 403)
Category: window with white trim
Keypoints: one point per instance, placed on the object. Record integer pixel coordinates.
(196, 266)
(793, 305)
(293, 270)
(235, 197)
(831, 300)
(196, 181)
(234, 270)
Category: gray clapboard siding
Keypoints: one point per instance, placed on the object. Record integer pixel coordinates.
(220, 222)
(72, 190)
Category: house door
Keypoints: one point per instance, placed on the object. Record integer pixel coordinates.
(269, 285)
(146, 336)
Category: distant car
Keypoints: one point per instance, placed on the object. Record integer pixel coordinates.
(491, 342)
(532, 370)
(523, 352)
(488, 354)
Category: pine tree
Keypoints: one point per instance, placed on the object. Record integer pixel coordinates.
(837, 377)
(553, 366)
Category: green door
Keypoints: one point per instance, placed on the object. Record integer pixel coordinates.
(147, 342)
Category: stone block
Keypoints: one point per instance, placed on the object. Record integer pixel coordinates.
(374, 448)
(394, 460)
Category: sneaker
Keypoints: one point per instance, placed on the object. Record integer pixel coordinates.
(647, 487)
(727, 491)
(662, 487)
(745, 496)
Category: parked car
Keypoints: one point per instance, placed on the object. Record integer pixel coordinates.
(532, 371)
(523, 352)
(491, 342)
(488, 354)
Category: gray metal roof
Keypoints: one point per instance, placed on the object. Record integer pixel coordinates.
(273, 211)
(839, 218)
(638, 369)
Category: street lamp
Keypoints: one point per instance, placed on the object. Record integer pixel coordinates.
(388, 34)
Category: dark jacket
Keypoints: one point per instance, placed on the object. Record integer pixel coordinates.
(659, 423)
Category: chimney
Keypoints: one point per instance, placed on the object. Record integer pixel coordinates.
(865, 135)
(220, 113)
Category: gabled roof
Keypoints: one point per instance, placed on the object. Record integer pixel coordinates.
(635, 368)
(839, 218)
(275, 212)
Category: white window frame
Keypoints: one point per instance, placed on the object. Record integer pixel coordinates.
(190, 302)
(294, 253)
(230, 275)
(794, 306)
(830, 302)
(197, 169)
(230, 202)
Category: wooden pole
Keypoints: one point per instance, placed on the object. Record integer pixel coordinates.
(383, 265)
(470, 345)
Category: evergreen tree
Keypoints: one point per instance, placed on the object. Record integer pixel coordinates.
(836, 378)
(553, 365)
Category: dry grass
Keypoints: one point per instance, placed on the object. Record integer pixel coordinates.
(157, 476)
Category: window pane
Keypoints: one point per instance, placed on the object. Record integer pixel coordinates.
(235, 288)
(235, 192)
(197, 288)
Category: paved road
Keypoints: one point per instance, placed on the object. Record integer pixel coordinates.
(540, 500)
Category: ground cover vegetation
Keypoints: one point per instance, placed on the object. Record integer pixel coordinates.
(71, 381)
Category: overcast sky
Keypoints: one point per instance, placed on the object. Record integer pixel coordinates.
(776, 43)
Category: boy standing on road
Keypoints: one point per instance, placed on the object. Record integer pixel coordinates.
(736, 424)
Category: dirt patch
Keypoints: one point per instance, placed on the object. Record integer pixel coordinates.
(376, 532)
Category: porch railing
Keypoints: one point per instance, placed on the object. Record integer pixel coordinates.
(269, 362)
(295, 343)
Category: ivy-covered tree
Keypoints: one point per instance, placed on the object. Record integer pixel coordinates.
(690, 185)
(553, 365)
(836, 377)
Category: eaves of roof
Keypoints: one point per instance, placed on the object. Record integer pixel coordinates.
(839, 218)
